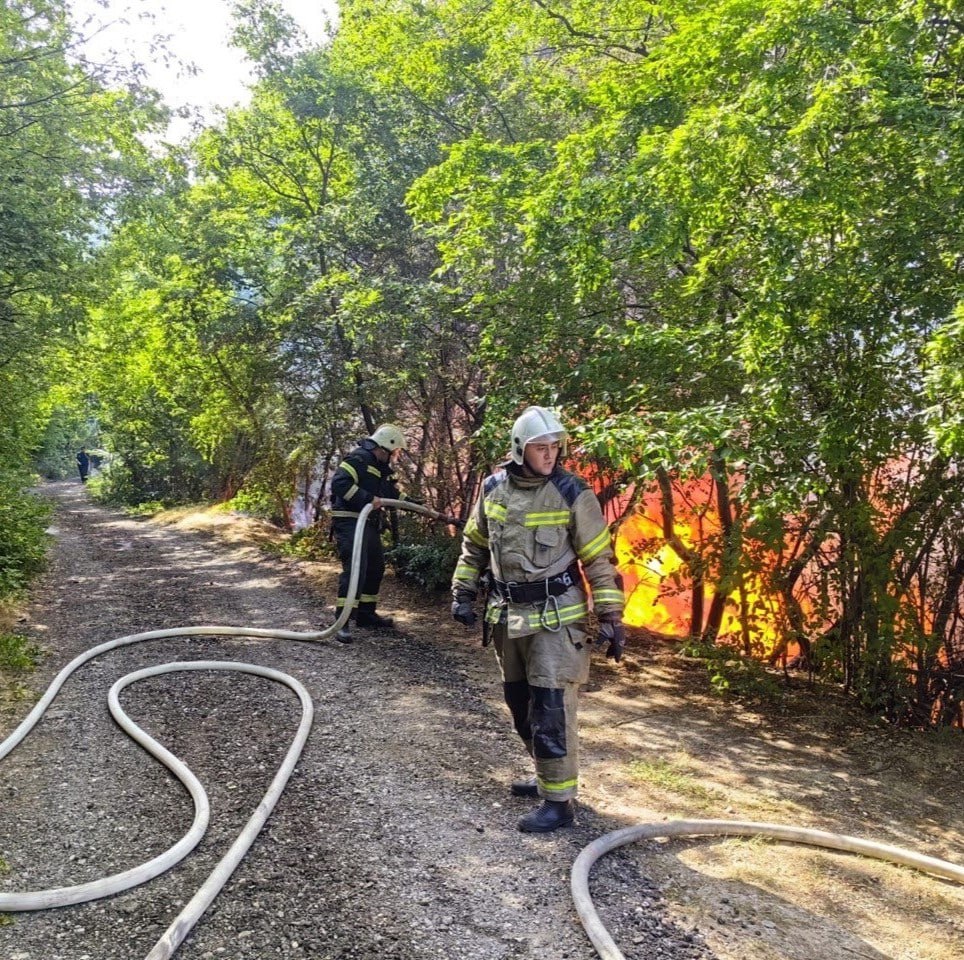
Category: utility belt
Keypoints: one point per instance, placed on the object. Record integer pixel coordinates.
(353, 515)
(536, 591)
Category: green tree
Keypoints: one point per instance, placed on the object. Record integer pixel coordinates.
(729, 251)
(68, 151)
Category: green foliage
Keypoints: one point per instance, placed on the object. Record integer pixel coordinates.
(18, 654)
(65, 432)
(69, 151)
(731, 673)
(424, 555)
(67, 148)
(722, 237)
(23, 541)
(126, 482)
(429, 564)
(264, 497)
(253, 502)
(736, 241)
(312, 543)
(277, 300)
(18, 657)
(945, 380)
(268, 491)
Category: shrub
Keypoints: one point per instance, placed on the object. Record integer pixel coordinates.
(253, 501)
(17, 654)
(139, 477)
(268, 490)
(312, 543)
(730, 672)
(23, 540)
(425, 555)
(118, 486)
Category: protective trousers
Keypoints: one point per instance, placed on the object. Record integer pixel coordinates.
(541, 674)
(372, 563)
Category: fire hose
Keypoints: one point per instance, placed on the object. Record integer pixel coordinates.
(599, 935)
(116, 883)
(184, 922)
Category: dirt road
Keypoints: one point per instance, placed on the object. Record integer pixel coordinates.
(396, 836)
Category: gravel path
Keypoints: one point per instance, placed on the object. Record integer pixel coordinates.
(396, 836)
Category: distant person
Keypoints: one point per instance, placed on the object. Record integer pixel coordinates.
(540, 533)
(364, 476)
(83, 464)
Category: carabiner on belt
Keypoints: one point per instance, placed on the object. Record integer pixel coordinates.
(543, 614)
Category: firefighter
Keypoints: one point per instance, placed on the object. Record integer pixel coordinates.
(364, 476)
(538, 530)
(83, 464)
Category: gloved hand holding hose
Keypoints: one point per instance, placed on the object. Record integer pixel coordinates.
(611, 631)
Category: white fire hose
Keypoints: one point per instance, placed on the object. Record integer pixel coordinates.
(107, 886)
(189, 916)
(599, 935)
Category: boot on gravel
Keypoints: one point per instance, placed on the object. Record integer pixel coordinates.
(550, 816)
(524, 788)
(374, 621)
(343, 635)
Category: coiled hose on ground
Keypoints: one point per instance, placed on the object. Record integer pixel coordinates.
(599, 935)
(192, 912)
(106, 886)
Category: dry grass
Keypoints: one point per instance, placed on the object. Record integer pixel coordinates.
(680, 752)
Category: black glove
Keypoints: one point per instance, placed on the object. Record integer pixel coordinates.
(611, 631)
(462, 609)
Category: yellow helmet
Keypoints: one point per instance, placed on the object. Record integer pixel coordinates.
(536, 423)
(389, 437)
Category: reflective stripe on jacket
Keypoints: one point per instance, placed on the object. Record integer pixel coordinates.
(525, 529)
(358, 479)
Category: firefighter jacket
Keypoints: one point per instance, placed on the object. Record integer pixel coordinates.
(359, 478)
(525, 530)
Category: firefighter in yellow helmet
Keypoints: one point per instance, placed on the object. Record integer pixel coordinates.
(364, 476)
(539, 530)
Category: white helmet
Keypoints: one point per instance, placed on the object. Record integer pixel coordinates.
(389, 437)
(536, 423)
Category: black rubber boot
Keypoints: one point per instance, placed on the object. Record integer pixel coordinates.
(524, 788)
(374, 621)
(343, 635)
(550, 816)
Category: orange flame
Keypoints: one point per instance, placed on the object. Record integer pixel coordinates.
(660, 571)
(658, 579)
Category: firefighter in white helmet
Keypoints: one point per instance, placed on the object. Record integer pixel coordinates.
(539, 531)
(364, 476)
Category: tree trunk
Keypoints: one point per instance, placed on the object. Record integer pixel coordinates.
(690, 557)
(731, 548)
